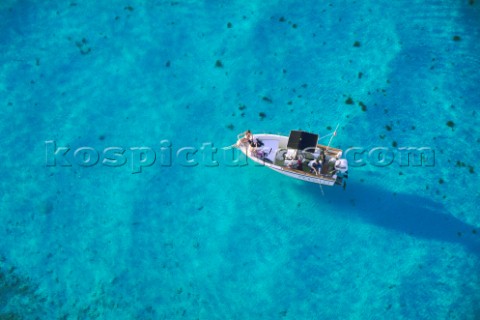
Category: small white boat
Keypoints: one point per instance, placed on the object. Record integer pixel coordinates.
(293, 156)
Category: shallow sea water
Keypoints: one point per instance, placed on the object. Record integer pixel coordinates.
(223, 242)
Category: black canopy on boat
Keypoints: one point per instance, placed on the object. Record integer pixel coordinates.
(301, 140)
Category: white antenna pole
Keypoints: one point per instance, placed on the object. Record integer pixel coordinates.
(333, 135)
(327, 135)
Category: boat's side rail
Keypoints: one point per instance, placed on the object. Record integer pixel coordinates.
(303, 173)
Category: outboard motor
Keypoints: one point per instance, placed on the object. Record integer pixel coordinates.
(341, 165)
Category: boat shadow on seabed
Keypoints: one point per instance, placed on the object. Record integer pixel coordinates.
(411, 214)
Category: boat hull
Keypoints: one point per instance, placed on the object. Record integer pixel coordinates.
(304, 177)
(280, 143)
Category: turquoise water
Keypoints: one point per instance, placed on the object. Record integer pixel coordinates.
(223, 242)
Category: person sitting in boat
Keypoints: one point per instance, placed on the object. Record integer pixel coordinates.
(247, 138)
(296, 164)
(260, 153)
(315, 166)
(322, 157)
